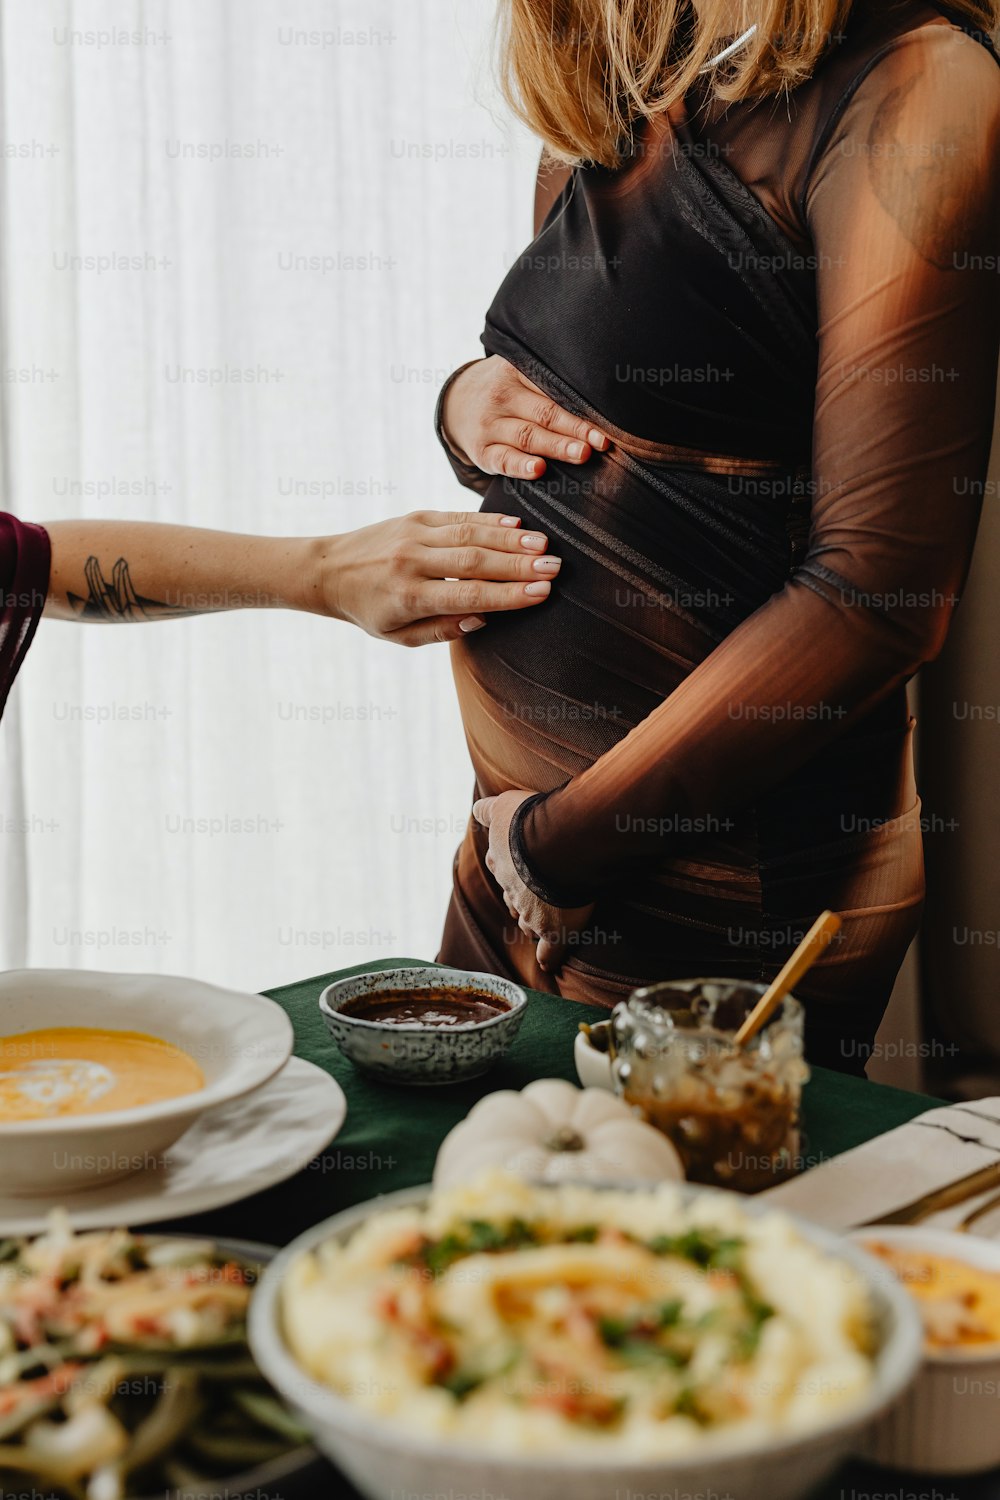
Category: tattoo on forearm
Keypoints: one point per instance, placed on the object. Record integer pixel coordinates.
(118, 599)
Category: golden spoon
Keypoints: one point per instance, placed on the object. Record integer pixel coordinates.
(820, 934)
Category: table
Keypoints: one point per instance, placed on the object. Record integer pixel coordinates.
(391, 1136)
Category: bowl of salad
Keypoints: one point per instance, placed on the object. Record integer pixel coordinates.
(125, 1370)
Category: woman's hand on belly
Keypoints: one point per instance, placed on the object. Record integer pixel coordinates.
(552, 926)
(496, 419)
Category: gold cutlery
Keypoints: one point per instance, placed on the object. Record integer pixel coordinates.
(941, 1198)
(978, 1213)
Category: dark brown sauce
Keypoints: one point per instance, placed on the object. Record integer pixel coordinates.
(445, 1006)
(746, 1146)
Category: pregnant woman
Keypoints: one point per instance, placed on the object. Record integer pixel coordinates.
(762, 304)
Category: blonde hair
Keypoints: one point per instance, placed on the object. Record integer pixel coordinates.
(581, 73)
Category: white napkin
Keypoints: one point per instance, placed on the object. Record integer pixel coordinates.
(892, 1169)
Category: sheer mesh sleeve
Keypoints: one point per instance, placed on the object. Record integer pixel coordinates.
(468, 474)
(902, 205)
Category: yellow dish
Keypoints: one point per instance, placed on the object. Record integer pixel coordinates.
(959, 1302)
(82, 1070)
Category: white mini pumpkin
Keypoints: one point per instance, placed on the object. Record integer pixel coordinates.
(554, 1132)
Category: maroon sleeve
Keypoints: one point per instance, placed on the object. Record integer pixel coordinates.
(24, 583)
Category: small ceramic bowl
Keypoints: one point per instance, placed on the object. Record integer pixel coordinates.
(419, 1053)
(947, 1421)
(593, 1067)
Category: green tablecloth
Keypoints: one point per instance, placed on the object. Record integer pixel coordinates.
(391, 1135)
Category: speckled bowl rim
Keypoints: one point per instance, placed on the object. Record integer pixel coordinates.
(518, 1000)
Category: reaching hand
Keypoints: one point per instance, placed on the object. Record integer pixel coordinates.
(432, 576)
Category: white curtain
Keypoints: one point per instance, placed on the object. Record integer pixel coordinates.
(241, 245)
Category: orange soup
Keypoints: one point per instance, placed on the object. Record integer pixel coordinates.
(959, 1303)
(83, 1070)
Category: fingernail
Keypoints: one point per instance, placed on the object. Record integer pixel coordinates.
(596, 439)
(534, 466)
(537, 590)
(472, 623)
(533, 542)
(547, 564)
(575, 450)
(510, 520)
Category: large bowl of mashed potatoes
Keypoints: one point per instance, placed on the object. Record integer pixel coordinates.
(512, 1340)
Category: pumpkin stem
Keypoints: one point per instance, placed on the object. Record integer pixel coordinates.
(565, 1139)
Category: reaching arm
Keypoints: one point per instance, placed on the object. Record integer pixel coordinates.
(125, 571)
(426, 577)
(903, 209)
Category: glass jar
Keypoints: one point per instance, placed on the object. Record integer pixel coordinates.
(732, 1112)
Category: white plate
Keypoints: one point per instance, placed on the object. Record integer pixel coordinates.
(230, 1153)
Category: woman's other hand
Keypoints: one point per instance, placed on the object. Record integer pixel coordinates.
(495, 418)
(433, 575)
(554, 927)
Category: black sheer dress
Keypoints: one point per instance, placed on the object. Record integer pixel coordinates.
(785, 314)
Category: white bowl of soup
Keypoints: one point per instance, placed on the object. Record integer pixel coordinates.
(101, 1073)
(947, 1423)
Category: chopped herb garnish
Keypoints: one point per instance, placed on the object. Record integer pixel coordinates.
(758, 1312)
(636, 1339)
(585, 1235)
(686, 1405)
(476, 1237)
(636, 1351)
(670, 1312)
(614, 1331)
(462, 1383)
(704, 1247)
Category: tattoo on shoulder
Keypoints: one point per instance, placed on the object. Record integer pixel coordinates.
(921, 189)
(118, 599)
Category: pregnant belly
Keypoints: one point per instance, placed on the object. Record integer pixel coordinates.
(658, 566)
